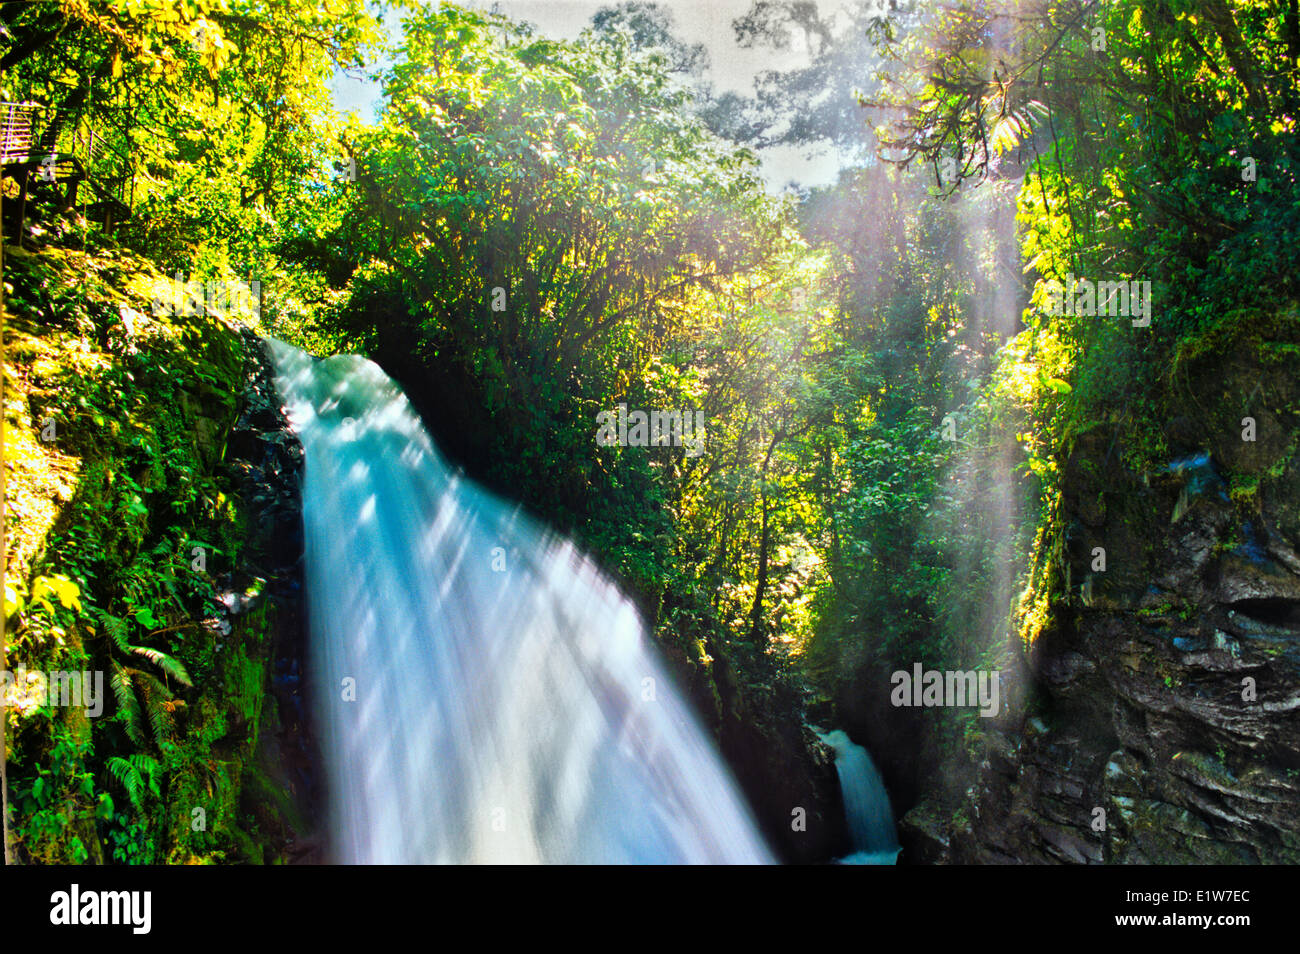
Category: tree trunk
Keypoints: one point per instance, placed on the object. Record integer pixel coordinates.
(4, 711)
(756, 614)
(764, 541)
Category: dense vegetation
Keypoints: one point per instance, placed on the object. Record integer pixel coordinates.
(535, 232)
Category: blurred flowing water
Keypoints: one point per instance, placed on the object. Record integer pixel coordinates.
(482, 692)
(866, 803)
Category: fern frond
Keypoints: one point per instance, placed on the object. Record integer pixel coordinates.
(129, 777)
(168, 664)
(1016, 125)
(144, 763)
(114, 626)
(155, 694)
(128, 706)
(148, 767)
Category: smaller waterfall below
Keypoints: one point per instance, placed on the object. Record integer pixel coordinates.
(866, 803)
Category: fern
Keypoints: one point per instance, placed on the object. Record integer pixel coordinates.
(155, 694)
(1014, 125)
(130, 778)
(117, 630)
(128, 706)
(115, 626)
(170, 665)
(137, 774)
(148, 767)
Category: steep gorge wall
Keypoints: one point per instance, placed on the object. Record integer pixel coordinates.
(131, 439)
(1163, 723)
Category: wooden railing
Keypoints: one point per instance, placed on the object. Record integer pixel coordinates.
(16, 131)
(36, 161)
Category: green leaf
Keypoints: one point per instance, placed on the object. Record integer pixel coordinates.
(115, 627)
(168, 664)
(129, 777)
(128, 706)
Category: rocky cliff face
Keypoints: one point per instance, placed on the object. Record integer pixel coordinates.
(785, 771)
(264, 461)
(153, 478)
(1164, 720)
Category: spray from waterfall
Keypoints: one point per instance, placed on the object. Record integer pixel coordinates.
(483, 693)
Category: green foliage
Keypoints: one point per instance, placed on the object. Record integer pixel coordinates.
(110, 586)
(214, 111)
(570, 178)
(137, 774)
(539, 231)
(1159, 142)
(117, 627)
(129, 841)
(57, 804)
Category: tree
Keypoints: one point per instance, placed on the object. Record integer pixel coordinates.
(650, 26)
(1130, 113)
(817, 102)
(533, 213)
(209, 115)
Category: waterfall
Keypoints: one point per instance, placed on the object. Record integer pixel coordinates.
(866, 803)
(482, 693)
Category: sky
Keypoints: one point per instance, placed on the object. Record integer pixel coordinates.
(696, 21)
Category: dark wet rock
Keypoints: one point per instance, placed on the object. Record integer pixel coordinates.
(266, 588)
(787, 774)
(1167, 686)
(924, 834)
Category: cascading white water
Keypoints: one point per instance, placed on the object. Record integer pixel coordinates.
(866, 803)
(484, 694)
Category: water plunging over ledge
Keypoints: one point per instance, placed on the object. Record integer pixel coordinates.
(866, 803)
(483, 693)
